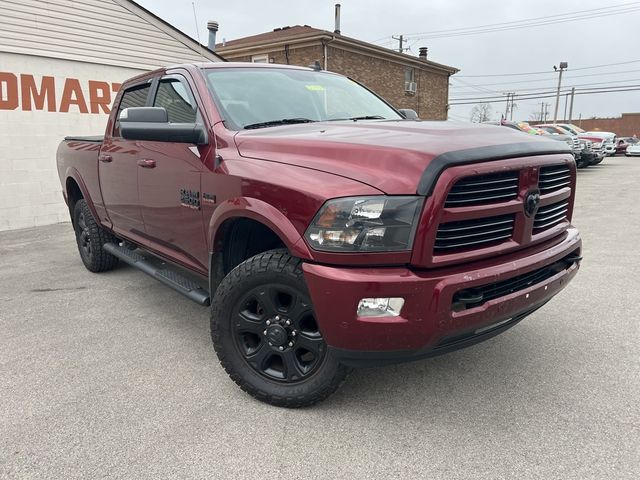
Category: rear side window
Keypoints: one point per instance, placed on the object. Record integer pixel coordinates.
(174, 96)
(132, 97)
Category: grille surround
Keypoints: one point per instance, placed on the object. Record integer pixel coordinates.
(466, 231)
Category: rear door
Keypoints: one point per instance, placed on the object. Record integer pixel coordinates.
(169, 181)
(118, 169)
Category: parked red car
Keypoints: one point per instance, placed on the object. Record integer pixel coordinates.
(324, 228)
(621, 146)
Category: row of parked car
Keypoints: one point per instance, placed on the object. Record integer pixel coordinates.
(589, 148)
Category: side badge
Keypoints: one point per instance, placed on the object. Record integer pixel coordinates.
(190, 199)
(208, 198)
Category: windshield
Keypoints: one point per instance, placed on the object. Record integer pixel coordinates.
(262, 97)
(576, 128)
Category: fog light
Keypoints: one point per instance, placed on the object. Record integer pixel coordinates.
(380, 307)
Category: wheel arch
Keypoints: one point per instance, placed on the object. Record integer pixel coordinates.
(245, 210)
(74, 190)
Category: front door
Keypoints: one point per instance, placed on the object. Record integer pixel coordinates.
(169, 179)
(118, 169)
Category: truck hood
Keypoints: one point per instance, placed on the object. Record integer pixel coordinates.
(390, 155)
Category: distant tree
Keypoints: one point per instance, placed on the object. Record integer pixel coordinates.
(481, 112)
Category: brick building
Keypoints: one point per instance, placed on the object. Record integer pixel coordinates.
(626, 125)
(403, 80)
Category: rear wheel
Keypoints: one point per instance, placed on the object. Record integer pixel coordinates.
(91, 238)
(266, 335)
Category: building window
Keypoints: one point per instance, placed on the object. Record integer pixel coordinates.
(260, 58)
(409, 81)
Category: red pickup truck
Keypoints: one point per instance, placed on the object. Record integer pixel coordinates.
(326, 229)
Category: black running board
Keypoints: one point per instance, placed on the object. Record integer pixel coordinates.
(170, 278)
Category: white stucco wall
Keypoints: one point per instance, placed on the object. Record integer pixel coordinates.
(30, 191)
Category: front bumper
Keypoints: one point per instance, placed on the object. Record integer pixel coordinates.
(428, 325)
(587, 158)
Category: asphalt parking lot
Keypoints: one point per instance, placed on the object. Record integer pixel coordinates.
(113, 375)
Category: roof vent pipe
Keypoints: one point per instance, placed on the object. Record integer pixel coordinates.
(212, 26)
(423, 53)
(337, 29)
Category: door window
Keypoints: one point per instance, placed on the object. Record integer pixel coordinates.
(174, 96)
(132, 97)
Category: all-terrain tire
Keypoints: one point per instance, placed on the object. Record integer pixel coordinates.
(91, 238)
(251, 298)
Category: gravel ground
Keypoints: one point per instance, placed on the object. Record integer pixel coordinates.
(113, 375)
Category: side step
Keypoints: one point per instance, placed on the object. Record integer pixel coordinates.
(170, 278)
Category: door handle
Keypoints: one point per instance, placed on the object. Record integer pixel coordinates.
(147, 163)
(105, 158)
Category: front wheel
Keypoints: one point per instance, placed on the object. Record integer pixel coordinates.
(91, 238)
(266, 336)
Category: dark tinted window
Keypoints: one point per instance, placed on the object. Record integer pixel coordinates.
(175, 97)
(133, 97)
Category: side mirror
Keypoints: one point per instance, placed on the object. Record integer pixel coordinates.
(408, 113)
(152, 124)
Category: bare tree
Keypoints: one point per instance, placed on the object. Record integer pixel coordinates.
(481, 112)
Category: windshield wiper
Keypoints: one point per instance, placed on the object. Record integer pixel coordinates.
(368, 117)
(355, 119)
(273, 123)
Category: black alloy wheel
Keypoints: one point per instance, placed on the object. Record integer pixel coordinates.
(277, 334)
(266, 335)
(91, 238)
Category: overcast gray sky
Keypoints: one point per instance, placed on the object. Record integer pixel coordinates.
(585, 43)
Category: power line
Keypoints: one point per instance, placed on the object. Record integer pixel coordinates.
(471, 85)
(550, 94)
(619, 9)
(523, 26)
(525, 95)
(575, 85)
(544, 79)
(546, 72)
(548, 17)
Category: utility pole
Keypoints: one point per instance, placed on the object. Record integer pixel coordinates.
(542, 111)
(573, 92)
(400, 43)
(509, 108)
(566, 100)
(563, 67)
(513, 106)
(546, 111)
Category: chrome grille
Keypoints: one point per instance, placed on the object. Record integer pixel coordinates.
(476, 232)
(554, 178)
(551, 215)
(576, 143)
(482, 189)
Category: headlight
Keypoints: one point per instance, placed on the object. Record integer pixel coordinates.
(569, 142)
(365, 224)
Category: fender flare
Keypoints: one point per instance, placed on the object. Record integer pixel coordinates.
(262, 212)
(74, 174)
